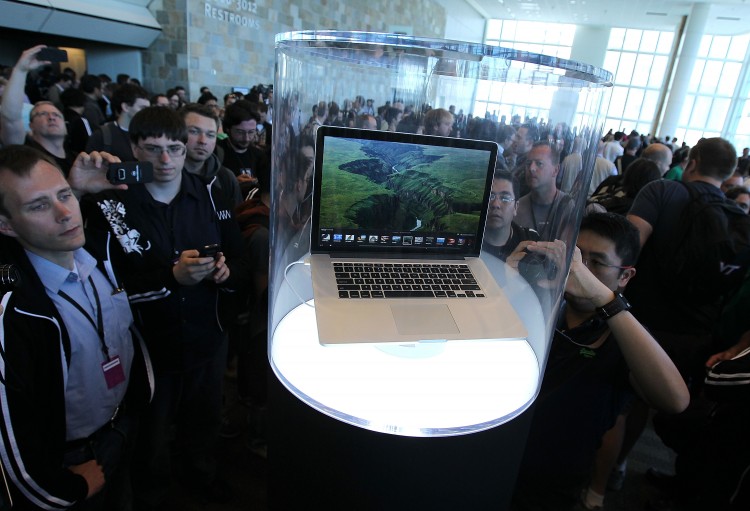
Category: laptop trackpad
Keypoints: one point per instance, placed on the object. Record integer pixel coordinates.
(419, 319)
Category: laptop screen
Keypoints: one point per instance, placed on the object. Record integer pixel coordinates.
(387, 192)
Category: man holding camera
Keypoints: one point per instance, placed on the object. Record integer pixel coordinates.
(600, 354)
(180, 259)
(46, 123)
(74, 370)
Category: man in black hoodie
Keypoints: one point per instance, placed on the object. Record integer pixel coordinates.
(202, 126)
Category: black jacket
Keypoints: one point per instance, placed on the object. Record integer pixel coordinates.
(34, 366)
(182, 325)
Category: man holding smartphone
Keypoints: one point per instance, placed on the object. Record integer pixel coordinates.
(46, 123)
(178, 297)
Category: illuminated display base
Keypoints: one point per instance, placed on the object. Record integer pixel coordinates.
(430, 389)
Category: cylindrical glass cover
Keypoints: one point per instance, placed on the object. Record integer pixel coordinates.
(360, 356)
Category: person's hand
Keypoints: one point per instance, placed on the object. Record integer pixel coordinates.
(245, 178)
(553, 251)
(28, 61)
(89, 173)
(220, 272)
(730, 353)
(92, 472)
(584, 284)
(191, 268)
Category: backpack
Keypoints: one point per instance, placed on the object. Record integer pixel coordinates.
(710, 247)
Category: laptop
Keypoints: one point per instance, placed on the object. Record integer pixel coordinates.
(396, 232)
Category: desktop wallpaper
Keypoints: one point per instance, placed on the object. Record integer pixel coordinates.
(371, 184)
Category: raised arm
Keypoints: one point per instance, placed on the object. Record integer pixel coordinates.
(652, 372)
(12, 130)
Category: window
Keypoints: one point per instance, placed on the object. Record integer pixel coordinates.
(551, 39)
(716, 81)
(638, 60)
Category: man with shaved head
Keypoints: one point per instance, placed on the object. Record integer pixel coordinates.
(659, 154)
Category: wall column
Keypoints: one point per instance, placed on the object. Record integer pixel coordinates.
(691, 42)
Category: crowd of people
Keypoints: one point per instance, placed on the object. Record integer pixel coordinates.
(158, 285)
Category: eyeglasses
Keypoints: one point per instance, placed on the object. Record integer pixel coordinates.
(594, 264)
(504, 198)
(244, 133)
(157, 150)
(197, 132)
(54, 115)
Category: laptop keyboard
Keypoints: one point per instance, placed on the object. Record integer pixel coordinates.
(405, 280)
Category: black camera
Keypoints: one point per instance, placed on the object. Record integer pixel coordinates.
(10, 278)
(535, 267)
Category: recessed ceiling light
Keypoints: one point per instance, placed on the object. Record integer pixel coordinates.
(656, 14)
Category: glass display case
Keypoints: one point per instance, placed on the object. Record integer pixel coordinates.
(438, 385)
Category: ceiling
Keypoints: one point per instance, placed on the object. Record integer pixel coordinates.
(725, 16)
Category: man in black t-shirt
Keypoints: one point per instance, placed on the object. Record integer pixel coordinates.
(598, 348)
(241, 156)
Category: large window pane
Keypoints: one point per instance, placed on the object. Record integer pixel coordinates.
(493, 29)
(642, 68)
(711, 75)
(695, 79)
(633, 104)
(509, 30)
(632, 39)
(617, 103)
(730, 78)
(649, 40)
(665, 43)
(650, 100)
(658, 70)
(704, 47)
(719, 47)
(616, 38)
(625, 69)
(687, 109)
(718, 114)
(611, 61)
(701, 108)
(738, 47)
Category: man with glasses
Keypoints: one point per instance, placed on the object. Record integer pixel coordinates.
(180, 259)
(241, 155)
(46, 123)
(600, 355)
(501, 234)
(202, 127)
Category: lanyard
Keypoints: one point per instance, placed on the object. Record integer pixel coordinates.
(99, 324)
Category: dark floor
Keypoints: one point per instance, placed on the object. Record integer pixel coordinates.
(246, 472)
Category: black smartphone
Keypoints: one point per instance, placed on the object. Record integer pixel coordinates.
(52, 55)
(130, 172)
(209, 250)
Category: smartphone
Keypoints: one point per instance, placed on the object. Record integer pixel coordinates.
(130, 172)
(209, 250)
(52, 55)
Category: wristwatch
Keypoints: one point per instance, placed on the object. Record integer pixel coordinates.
(614, 307)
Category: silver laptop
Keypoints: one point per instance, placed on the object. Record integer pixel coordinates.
(397, 225)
